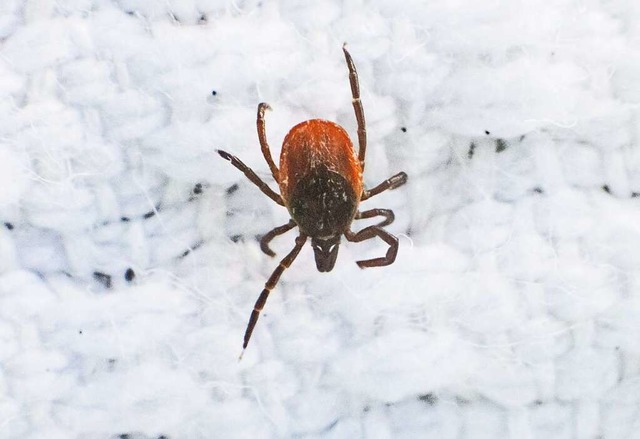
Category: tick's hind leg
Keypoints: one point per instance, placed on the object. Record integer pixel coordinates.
(389, 184)
(371, 213)
(269, 285)
(372, 232)
(248, 172)
(262, 137)
(357, 107)
(266, 239)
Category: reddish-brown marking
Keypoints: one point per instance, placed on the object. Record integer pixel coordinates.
(317, 142)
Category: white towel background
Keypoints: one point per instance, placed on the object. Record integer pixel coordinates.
(128, 256)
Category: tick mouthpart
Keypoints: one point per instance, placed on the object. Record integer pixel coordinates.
(325, 252)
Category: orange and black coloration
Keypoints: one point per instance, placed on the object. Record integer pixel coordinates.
(320, 179)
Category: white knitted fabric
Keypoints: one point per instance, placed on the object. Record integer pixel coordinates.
(129, 262)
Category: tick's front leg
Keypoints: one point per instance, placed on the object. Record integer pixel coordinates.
(266, 239)
(270, 285)
(369, 233)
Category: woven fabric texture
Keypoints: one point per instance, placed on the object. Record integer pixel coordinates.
(129, 254)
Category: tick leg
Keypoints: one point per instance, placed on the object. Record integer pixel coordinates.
(262, 137)
(266, 239)
(390, 183)
(235, 161)
(269, 285)
(386, 213)
(372, 232)
(357, 106)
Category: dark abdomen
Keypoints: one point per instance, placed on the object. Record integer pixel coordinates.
(323, 203)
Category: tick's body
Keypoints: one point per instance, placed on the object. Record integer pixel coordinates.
(320, 180)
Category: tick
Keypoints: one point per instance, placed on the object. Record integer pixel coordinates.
(320, 180)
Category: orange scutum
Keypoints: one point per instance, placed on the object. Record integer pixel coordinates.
(316, 142)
